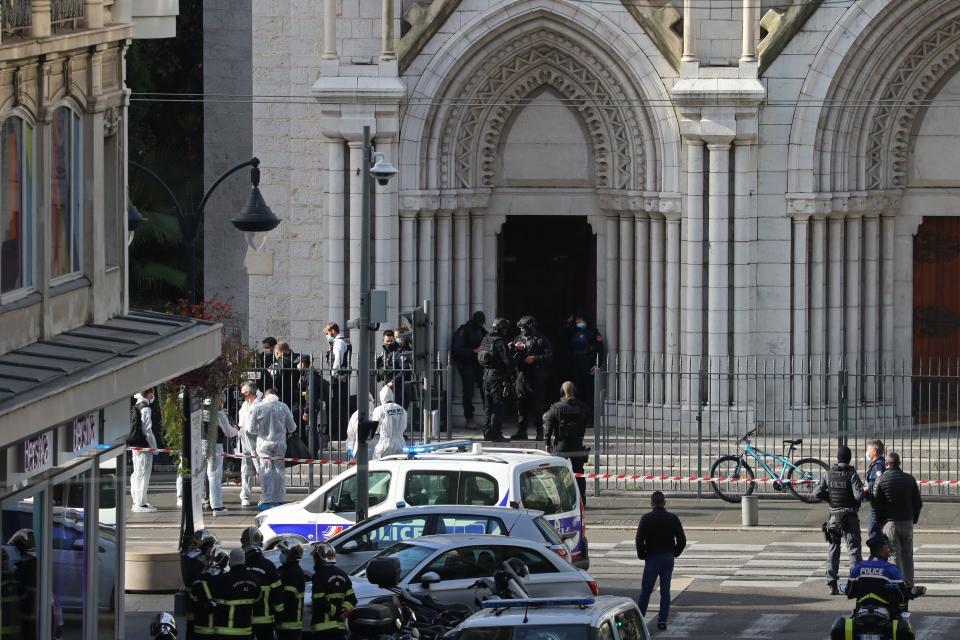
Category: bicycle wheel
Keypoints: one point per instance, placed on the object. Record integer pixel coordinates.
(731, 467)
(811, 471)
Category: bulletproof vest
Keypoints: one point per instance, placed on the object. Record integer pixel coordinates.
(571, 421)
(583, 343)
(533, 346)
(136, 437)
(841, 492)
(489, 356)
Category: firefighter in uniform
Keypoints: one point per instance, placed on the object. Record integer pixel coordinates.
(533, 356)
(498, 376)
(844, 489)
(333, 597)
(565, 423)
(293, 582)
(200, 592)
(194, 562)
(271, 604)
(233, 596)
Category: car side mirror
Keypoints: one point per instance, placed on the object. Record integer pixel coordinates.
(429, 578)
(331, 503)
(348, 547)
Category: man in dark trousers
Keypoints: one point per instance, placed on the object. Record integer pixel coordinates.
(333, 597)
(565, 423)
(533, 356)
(660, 539)
(498, 376)
(465, 346)
(290, 620)
(271, 603)
(843, 488)
(898, 505)
(875, 465)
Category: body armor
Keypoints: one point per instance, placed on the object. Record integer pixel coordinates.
(841, 487)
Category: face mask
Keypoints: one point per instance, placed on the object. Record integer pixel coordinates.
(581, 325)
(330, 339)
(525, 331)
(868, 457)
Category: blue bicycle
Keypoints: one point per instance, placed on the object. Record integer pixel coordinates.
(737, 480)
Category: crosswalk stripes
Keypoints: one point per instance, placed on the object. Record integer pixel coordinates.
(763, 623)
(774, 565)
(936, 627)
(685, 624)
(765, 626)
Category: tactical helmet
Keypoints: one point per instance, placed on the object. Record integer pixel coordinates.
(500, 325)
(219, 559)
(251, 538)
(323, 553)
(527, 321)
(290, 552)
(877, 542)
(163, 627)
(23, 541)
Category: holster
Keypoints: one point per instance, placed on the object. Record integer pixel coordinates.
(826, 532)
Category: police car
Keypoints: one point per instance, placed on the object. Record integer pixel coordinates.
(460, 472)
(599, 618)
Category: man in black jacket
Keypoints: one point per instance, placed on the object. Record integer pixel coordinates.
(660, 539)
(897, 502)
(465, 346)
(843, 488)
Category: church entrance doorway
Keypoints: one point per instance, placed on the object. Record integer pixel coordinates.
(548, 269)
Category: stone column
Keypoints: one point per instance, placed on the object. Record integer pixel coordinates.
(657, 316)
(744, 239)
(718, 280)
(835, 292)
(336, 276)
(382, 227)
(818, 307)
(672, 312)
(871, 305)
(852, 330)
(625, 346)
(490, 266)
(461, 266)
(356, 211)
(387, 46)
(408, 251)
(444, 280)
(749, 50)
(689, 32)
(887, 264)
(93, 13)
(800, 360)
(329, 30)
(40, 20)
(641, 301)
(477, 264)
(425, 258)
(610, 330)
(693, 341)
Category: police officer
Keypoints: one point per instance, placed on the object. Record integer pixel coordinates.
(236, 594)
(293, 582)
(200, 621)
(195, 561)
(465, 346)
(875, 466)
(271, 604)
(533, 356)
(844, 489)
(333, 597)
(498, 376)
(587, 349)
(565, 422)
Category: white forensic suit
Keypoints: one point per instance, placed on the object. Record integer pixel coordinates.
(393, 423)
(249, 467)
(272, 422)
(143, 460)
(353, 428)
(386, 394)
(215, 462)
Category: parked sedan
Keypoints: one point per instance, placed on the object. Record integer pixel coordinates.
(359, 543)
(447, 566)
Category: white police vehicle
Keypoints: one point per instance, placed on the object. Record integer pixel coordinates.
(459, 472)
(599, 618)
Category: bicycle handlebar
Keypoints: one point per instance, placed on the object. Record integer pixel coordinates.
(746, 436)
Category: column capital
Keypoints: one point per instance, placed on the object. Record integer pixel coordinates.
(408, 214)
(461, 213)
(718, 143)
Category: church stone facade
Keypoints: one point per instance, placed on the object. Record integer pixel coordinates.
(744, 180)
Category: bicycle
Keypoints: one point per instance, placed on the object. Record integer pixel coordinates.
(799, 478)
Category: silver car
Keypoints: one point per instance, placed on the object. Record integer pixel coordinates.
(447, 566)
(361, 542)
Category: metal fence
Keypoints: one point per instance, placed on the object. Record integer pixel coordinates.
(676, 417)
(17, 17)
(66, 14)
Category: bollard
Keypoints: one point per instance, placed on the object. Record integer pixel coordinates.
(750, 511)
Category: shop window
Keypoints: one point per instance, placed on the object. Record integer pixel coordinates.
(21, 567)
(111, 488)
(69, 556)
(66, 179)
(17, 218)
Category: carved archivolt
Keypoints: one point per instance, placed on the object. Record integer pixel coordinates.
(470, 140)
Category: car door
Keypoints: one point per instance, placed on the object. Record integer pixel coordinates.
(459, 568)
(545, 579)
(630, 625)
(374, 538)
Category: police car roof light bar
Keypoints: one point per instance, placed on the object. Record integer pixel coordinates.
(518, 603)
(461, 445)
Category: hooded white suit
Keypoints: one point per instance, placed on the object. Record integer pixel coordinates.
(272, 422)
(393, 423)
(249, 467)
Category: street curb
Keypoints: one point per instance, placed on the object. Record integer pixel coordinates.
(771, 529)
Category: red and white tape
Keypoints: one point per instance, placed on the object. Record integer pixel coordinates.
(642, 477)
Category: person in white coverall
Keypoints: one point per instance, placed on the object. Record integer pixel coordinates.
(249, 467)
(225, 431)
(393, 423)
(353, 426)
(143, 460)
(272, 422)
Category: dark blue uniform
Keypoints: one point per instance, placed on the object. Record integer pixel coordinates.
(870, 484)
(869, 584)
(587, 348)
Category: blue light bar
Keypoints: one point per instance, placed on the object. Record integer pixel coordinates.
(536, 602)
(416, 449)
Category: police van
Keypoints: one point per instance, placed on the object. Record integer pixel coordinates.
(459, 472)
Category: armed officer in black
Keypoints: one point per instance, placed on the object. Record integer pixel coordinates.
(844, 489)
(533, 356)
(498, 376)
(565, 423)
(270, 604)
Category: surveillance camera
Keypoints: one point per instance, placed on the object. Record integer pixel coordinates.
(383, 171)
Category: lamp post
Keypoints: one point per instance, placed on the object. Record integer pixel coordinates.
(255, 218)
(383, 171)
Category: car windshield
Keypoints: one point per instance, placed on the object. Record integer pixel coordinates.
(409, 555)
(527, 632)
(548, 489)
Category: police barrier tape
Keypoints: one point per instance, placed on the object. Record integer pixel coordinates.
(649, 477)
